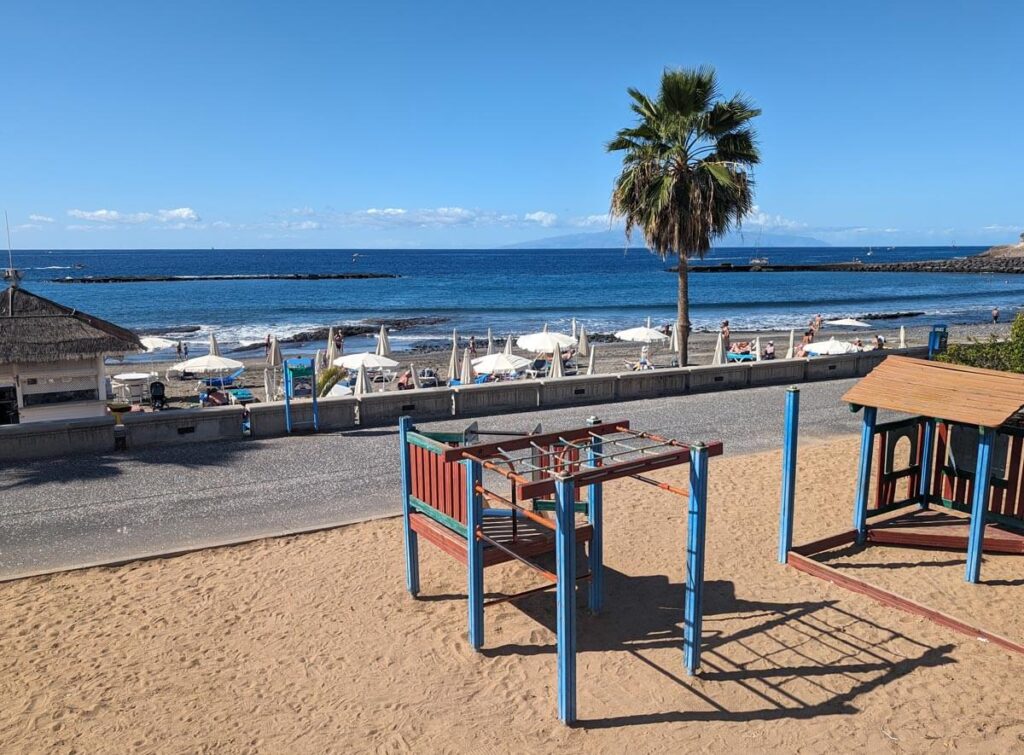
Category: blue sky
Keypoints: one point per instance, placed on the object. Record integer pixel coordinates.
(450, 124)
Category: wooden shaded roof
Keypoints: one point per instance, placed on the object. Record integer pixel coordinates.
(969, 395)
(35, 329)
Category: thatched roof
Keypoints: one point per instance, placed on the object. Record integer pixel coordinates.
(34, 329)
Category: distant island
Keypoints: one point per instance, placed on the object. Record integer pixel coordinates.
(616, 239)
(1006, 250)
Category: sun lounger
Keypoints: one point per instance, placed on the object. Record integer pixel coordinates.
(733, 357)
(225, 381)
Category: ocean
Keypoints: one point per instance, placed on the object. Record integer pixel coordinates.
(510, 291)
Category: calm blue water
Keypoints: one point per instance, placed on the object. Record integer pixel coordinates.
(511, 291)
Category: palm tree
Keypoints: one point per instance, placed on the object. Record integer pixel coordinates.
(685, 177)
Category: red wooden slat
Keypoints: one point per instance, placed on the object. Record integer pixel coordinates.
(880, 485)
(938, 477)
(960, 490)
(1019, 476)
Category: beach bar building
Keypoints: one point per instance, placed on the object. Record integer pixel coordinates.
(51, 359)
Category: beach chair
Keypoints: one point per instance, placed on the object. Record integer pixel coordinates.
(225, 381)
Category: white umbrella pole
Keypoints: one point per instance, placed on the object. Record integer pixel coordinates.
(490, 342)
(903, 337)
(757, 349)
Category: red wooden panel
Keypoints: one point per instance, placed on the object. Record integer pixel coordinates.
(938, 478)
(960, 490)
(881, 497)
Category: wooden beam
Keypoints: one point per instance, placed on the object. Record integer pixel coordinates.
(887, 598)
(490, 450)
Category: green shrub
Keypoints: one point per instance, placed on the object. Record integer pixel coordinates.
(328, 378)
(992, 354)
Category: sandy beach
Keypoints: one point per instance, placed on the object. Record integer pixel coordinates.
(611, 356)
(310, 643)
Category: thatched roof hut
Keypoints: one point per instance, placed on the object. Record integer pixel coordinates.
(34, 329)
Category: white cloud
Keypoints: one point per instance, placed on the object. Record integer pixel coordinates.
(220, 224)
(27, 227)
(546, 219)
(388, 212)
(599, 220)
(303, 225)
(181, 214)
(756, 217)
(303, 211)
(40, 218)
(995, 227)
(178, 215)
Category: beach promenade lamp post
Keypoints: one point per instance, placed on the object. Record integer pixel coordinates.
(686, 172)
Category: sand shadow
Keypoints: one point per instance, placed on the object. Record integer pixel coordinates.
(783, 660)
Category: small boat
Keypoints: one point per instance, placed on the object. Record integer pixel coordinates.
(758, 260)
(79, 266)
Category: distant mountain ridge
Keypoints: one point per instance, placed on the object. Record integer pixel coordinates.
(616, 239)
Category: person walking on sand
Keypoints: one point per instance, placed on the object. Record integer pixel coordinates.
(266, 345)
(726, 333)
(995, 315)
(339, 343)
(178, 349)
(472, 347)
(184, 350)
(816, 323)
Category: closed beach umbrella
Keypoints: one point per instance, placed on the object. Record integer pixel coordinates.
(757, 349)
(590, 364)
(556, 370)
(268, 385)
(508, 345)
(214, 348)
(584, 344)
(415, 376)
(274, 358)
(573, 327)
(332, 349)
(903, 337)
(466, 374)
(453, 362)
(383, 344)
(719, 356)
(792, 341)
(673, 341)
(545, 342)
(362, 382)
(364, 359)
(499, 363)
(490, 342)
(318, 359)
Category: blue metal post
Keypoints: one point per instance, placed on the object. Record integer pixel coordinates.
(927, 452)
(565, 589)
(412, 549)
(979, 506)
(791, 432)
(860, 508)
(287, 398)
(474, 553)
(693, 618)
(595, 505)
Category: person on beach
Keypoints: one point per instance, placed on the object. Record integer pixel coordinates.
(879, 341)
(816, 323)
(339, 343)
(725, 335)
(184, 350)
(178, 348)
(995, 315)
(472, 347)
(405, 381)
(266, 345)
(859, 344)
(769, 351)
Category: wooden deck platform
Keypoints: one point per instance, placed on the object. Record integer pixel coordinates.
(531, 539)
(940, 528)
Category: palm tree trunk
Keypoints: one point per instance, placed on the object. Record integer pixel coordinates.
(683, 315)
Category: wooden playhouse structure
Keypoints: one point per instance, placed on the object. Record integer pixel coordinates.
(550, 499)
(950, 475)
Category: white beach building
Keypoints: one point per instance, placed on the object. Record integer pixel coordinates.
(51, 359)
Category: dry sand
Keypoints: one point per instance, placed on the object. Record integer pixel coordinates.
(310, 644)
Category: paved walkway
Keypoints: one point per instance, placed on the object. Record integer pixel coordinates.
(67, 513)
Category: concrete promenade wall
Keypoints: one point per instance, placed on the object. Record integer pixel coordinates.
(59, 437)
(96, 434)
(185, 426)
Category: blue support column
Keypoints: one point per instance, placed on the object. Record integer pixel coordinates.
(979, 506)
(565, 590)
(412, 550)
(927, 452)
(791, 431)
(474, 553)
(860, 507)
(595, 504)
(693, 618)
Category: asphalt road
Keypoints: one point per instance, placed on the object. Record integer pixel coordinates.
(82, 511)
